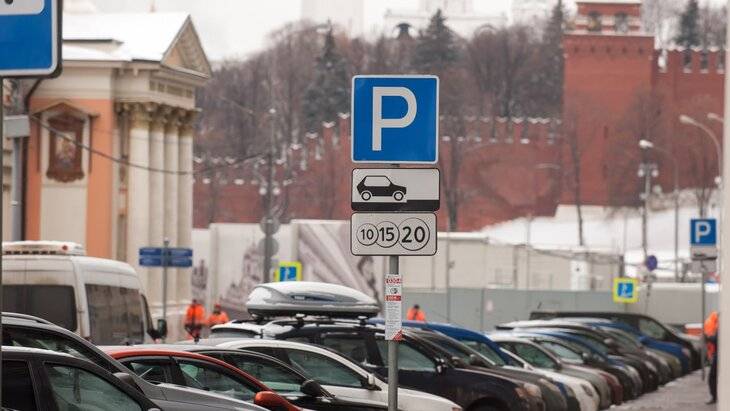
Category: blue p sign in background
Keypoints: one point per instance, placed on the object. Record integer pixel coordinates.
(703, 231)
(395, 119)
(30, 43)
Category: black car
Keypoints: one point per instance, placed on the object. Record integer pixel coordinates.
(556, 396)
(645, 324)
(421, 367)
(380, 186)
(39, 380)
(27, 331)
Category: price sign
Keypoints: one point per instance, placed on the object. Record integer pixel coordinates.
(393, 307)
(393, 234)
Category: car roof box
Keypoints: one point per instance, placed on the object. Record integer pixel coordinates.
(310, 298)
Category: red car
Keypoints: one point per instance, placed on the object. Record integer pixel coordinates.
(198, 371)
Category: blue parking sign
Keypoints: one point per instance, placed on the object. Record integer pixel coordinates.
(30, 38)
(703, 232)
(395, 119)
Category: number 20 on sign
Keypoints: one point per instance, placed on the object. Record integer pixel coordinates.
(393, 234)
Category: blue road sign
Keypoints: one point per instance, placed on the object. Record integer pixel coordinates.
(150, 251)
(30, 38)
(703, 232)
(150, 261)
(289, 271)
(170, 257)
(625, 290)
(180, 252)
(395, 119)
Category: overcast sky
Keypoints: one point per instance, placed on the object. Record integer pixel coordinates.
(230, 28)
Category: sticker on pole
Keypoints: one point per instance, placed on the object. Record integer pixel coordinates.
(393, 307)
(393, 234)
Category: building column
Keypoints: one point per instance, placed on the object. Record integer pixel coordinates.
(157, 195)
(138, 200)
(172, 130)
(185, 202)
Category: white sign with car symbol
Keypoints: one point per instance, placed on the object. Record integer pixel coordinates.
(395, 189)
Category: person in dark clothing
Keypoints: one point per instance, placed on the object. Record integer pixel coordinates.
(712, 378)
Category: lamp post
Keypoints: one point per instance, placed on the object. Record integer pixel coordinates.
(685, 119)
(648, 145)
(647, 171)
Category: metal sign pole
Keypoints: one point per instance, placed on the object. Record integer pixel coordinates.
(165, 262)
(703, 351)
(393, 352)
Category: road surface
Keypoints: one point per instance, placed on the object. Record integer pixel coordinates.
(683, 394)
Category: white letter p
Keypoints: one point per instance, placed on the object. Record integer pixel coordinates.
(379, 123)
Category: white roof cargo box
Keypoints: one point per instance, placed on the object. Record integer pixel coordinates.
(311, 298)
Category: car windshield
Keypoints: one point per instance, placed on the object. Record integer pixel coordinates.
(458, 350)
(485, 350)
(274, 376)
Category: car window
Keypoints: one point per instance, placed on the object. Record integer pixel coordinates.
(152, 370)
(32, 299)
(352, 346)
(115, 314)
(652, 328)
(75, 389)
(25, 337)
(534, 356)
(229, 333)
(206, 377)
(17, 388)
(324, 369)
(409, 358)
(485, 350)
(562, 351)
(271, 374)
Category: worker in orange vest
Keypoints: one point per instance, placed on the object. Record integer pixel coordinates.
(218, 316)
(194, 319)
(415, 314)
(710, 330)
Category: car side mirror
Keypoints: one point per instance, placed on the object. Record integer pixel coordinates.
(162, 327)
(128, 379)
(441, 365)
(586, 357)
(271, 401)
(476, 361)
(610, 342)
(311, 388)
(371, 383)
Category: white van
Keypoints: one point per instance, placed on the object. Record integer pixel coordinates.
(101, 300)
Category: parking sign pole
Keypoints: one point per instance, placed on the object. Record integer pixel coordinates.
(703, 351)
(393, 352)
(165, 262)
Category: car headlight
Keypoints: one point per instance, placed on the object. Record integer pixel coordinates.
(587, 390)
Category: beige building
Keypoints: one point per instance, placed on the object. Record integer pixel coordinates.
(109, 160)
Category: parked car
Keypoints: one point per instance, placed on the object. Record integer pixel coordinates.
(33, 332)
(530, 356)
(652, 371)
(337, 374)
(630, 379)
(189, 369)
(555, 394)
(39, 380)
(574, 361)
(646, 325)
(296, 387)
(363, 346)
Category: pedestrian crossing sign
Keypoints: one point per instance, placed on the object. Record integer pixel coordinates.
(289, 271)
(625, 290)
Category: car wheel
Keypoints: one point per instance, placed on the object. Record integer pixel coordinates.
(398, 195)
(366, 195)
(484, 408)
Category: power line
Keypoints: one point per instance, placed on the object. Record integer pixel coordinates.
(64, 135)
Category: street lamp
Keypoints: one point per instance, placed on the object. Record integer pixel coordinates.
(687, 120)
(648, 145)
(715, 117)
